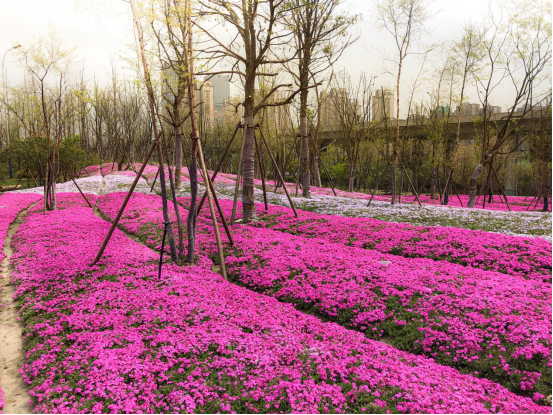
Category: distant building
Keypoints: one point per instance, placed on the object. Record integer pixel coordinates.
(382, 105)
(204, 96)
(221, 92)
(277, 116)
(468, 109)
(443, 110)
(328, 108)
(495, 109)
(232, 110)
(169, 86)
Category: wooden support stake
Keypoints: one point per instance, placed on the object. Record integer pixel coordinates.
(124, 205)
(279, 174)
(378, 182)
(155, 178)
(262, 170)
(238, 126)
(219, 209)
(457, 193)
(238, 175)
(500, 187)
(162, 249)
(212, 211)
(32, 175)
(75, 183)
(486, 187)
(409, 179)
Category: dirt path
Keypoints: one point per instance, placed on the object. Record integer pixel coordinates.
(11, 345)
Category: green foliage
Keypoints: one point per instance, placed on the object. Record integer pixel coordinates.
(24, 151)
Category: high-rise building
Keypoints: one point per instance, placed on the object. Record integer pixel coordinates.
(329, 108)
(232, 110)
(204, 96)
(274, 116)
(382, 105)
(469, 109)
(495, 109)
(442, 110)
(221, 91)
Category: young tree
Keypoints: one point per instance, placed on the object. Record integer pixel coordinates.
(468, 52)
(520, 51)
(43, 60)
(404, 20)
(259, 43)
(321, 34)
(157, 133)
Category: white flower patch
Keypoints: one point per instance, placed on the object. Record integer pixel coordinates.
(122, 183)
(92, 185)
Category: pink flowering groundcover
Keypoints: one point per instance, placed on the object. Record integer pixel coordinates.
(11, 205)
(485, 323)
(116, 338)
(514, 255)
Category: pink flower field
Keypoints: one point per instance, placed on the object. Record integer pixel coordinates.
(464, 317)
(115, 338)
(321, 313)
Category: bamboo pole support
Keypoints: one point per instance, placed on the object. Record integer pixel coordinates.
(154, 183)
(212, 211)
(124, 205)
(279, 174)
(238, 175)
(216, 171)
(75, 183)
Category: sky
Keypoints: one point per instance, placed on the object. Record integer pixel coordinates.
(101, 33)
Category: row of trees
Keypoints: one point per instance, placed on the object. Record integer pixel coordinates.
(288, 48)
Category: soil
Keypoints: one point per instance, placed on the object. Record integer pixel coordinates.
(12, 358)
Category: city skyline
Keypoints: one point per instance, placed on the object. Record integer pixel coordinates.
(102, 33)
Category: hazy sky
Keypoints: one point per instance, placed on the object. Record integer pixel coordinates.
(101, 34)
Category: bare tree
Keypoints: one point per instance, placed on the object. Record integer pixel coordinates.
(467, 51)
(404, 20)
(44, 59)
(352, 107)
(259, 43)
(322, 34)
(518, 50)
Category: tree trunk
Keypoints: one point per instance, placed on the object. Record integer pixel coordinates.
(178, 157)
(192, 213)
(304, 146)
(472, 184)
(316, 171)
(351, 176)
(396, 137)
(248, 163)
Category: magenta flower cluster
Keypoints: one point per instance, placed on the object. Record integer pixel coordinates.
(115, 338)
(11, 204)
(514, 255)
(490, 324)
